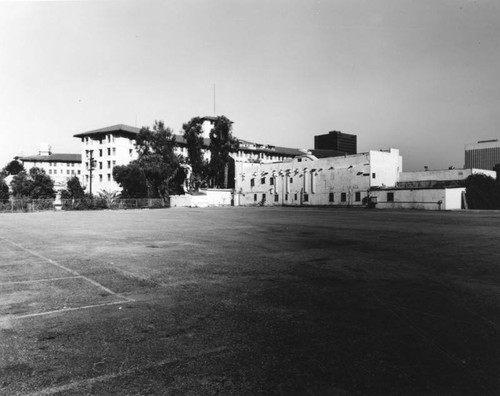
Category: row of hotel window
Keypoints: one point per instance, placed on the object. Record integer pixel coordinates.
(110, 151)
(110, 164)
(271, 180)
(109, 139)
(101, 178)
(331, 197)
(68, 164)
(68, 172)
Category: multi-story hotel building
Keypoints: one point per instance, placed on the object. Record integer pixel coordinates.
(115, 145)
(59, 166)
(102, 150)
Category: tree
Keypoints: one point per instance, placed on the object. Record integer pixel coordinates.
(193, 133)
(14, 167)
(157, 164)
(35, 184)
(74, 189)
(496, 168)
(482, 192)
(221, 144)
(132, 180)
(4, 189)
(21, 185)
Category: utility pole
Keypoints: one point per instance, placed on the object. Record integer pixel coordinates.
(91, 168)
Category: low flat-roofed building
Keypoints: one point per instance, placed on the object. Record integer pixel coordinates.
(307, 180)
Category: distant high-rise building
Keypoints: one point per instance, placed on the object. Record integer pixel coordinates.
(337, 141)
(484, 154)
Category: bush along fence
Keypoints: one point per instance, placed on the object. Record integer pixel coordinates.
(37, 205)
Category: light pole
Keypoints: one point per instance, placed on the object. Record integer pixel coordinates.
(91, 168)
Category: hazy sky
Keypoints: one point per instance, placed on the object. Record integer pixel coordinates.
(421, 76)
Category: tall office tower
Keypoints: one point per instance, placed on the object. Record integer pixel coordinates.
(338, 141)
(484, 154)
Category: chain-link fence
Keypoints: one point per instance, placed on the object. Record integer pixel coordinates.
(101, 203)
(26, 205)
(37, 205)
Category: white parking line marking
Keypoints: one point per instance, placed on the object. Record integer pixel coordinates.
(133, 371)
(65, 310)
(38, 280)
(55, 263)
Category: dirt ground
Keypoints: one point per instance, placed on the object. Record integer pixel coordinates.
(245, 301)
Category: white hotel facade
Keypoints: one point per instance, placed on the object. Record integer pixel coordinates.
(115, 145)
(107, 147)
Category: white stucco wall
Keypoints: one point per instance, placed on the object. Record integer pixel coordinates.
(428, 199)
(453, 198)
(386, 166)
(309, 181)
(211, 197)
(441, 175)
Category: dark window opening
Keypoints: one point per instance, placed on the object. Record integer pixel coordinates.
(330, 197)
(306, 197)
(252, 182)
(263, 180)
(390, 197)
(343, 197)
(255, 197)
(357, 196)
(276, 197)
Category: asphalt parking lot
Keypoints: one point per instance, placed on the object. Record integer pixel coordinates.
(250, 300)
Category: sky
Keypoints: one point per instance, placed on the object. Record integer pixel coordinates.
(422, 76)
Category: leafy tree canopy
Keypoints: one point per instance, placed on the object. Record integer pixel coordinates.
(35, 184)
(4, 189)
(496, 168)
(131, 179)
(222, 143)
(74, 189)
(14, 167)
(482, 192)
(157, 164)
(193, 133)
